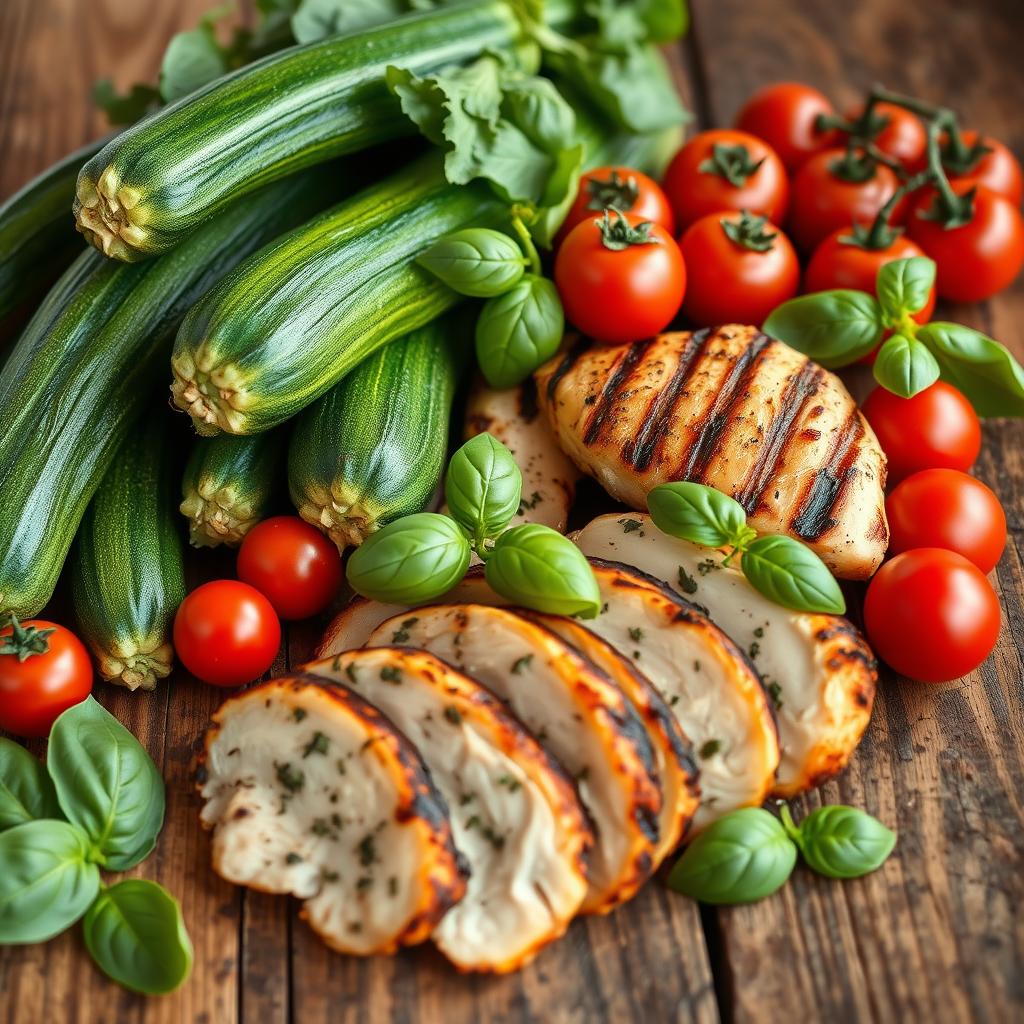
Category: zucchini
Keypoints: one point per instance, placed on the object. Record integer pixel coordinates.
(37, 234)
(297, 316)
(158, 180)
(373, 448)
(228, 485)
(84, 369)
(127, 571)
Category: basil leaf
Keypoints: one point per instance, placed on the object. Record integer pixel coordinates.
(519, 331)
(742, 857)
(981, 368)
(26, 792)
(538, 568)
(791, 574)
(47, 881)
(317, 19)
(476, 261)
(414, 559)
(665, 20)
(483, 487)
(904, 286)
(135, 933)
(106, 784)
(192, 60)
(905, 366)
(834, 328)
(843, 842)
(697, 513)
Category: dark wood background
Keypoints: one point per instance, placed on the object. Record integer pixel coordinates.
(937, 935)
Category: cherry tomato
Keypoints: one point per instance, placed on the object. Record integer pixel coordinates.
(733, 277)
(840, 264)
(726, 170)
(931, 614)
(823, 201)
(784, 115)
(620, 295)
(903, 136)
(619, 188)
(977, 259)
(944, 508)
(226, 633)
(998, 170)
(55, 675)
(937, 428)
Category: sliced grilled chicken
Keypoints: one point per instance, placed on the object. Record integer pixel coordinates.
(311, 791)
(549, 477)
(673, 757)
(576, 712)
(515, 815)
(817, 668)
(734, 409)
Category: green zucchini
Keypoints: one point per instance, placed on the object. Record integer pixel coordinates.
(37, 233)
(373, 448)
(229, 484)
(84, 369)
(158, 180)
(297, 316)
(127, 570)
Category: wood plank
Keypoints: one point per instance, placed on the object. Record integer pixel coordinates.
(934, 934)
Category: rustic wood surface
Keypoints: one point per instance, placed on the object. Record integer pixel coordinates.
(936, 935)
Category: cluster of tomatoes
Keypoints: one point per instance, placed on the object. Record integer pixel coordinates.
(738, 209)
(226, 632)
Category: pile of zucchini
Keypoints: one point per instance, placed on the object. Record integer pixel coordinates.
(303, 338)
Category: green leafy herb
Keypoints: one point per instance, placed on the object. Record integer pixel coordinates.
(135, 933)
(483, 487)
(840, 841)
(789, 573)
(411, 560)
(904, 286)
(26, 792)
(698, 514)
(291, 778)
(905, 367)
(742, 857)
(834, 328)
(106, 784)
(630, 525)
(479, 262)
(519, 331)
(317, 745)
(390, 674)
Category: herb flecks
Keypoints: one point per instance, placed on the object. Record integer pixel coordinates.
(631, 525)
(367, 850)
(775, 692)
(521, 664)
(299, 714)
(401, 634)
(708, 565)
(293, 858)
(710, 748)
(390, 674)
(510, 783)
(317, 745)
(452, 713)
(687, 584)
(636, 634)
(350, 671)
(293, 779)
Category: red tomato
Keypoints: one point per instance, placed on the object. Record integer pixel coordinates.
(619, 295)
(998, 170)
(937, 428)
(619, 188)
(977, 259)
(726, 170)
(730, 282)
(823, 202)
(55, 675)
(931, 615)
(944, 508)
(784, 115)
(839, 264)
(292, 564)
(903, 136)
(226, 633)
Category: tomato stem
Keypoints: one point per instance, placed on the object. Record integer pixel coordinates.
(620, 234)
(749, 232)
(25, 641)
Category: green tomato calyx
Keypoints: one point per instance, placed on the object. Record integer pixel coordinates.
(613, 192)
(25, 641)
(620, 234)
(734, 163)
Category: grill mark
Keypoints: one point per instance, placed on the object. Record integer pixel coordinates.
(613, 387)
(800, 389)
(813, 516)
(729, 394)
(569, 360)
(639, 450)
(528, 407)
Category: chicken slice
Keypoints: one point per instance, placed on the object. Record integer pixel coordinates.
(734, 409)
(515, 815)
(818, 669)
(576, 712)
(311, 791)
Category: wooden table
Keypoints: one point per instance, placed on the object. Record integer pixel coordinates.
(937, 935)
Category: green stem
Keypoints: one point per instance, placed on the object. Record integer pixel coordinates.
(882, 234)
(956, 210)
(532, 255)
(788, 824)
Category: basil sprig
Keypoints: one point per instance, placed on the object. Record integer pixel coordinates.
(836, 328)
(421, 557)
(479, 262)
(840, 841)
(784, 570)
(98, 802)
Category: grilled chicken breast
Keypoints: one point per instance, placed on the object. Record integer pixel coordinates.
(818, 669)
(734, 409)
(575, 711)
(311, 791)
(515, 816)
